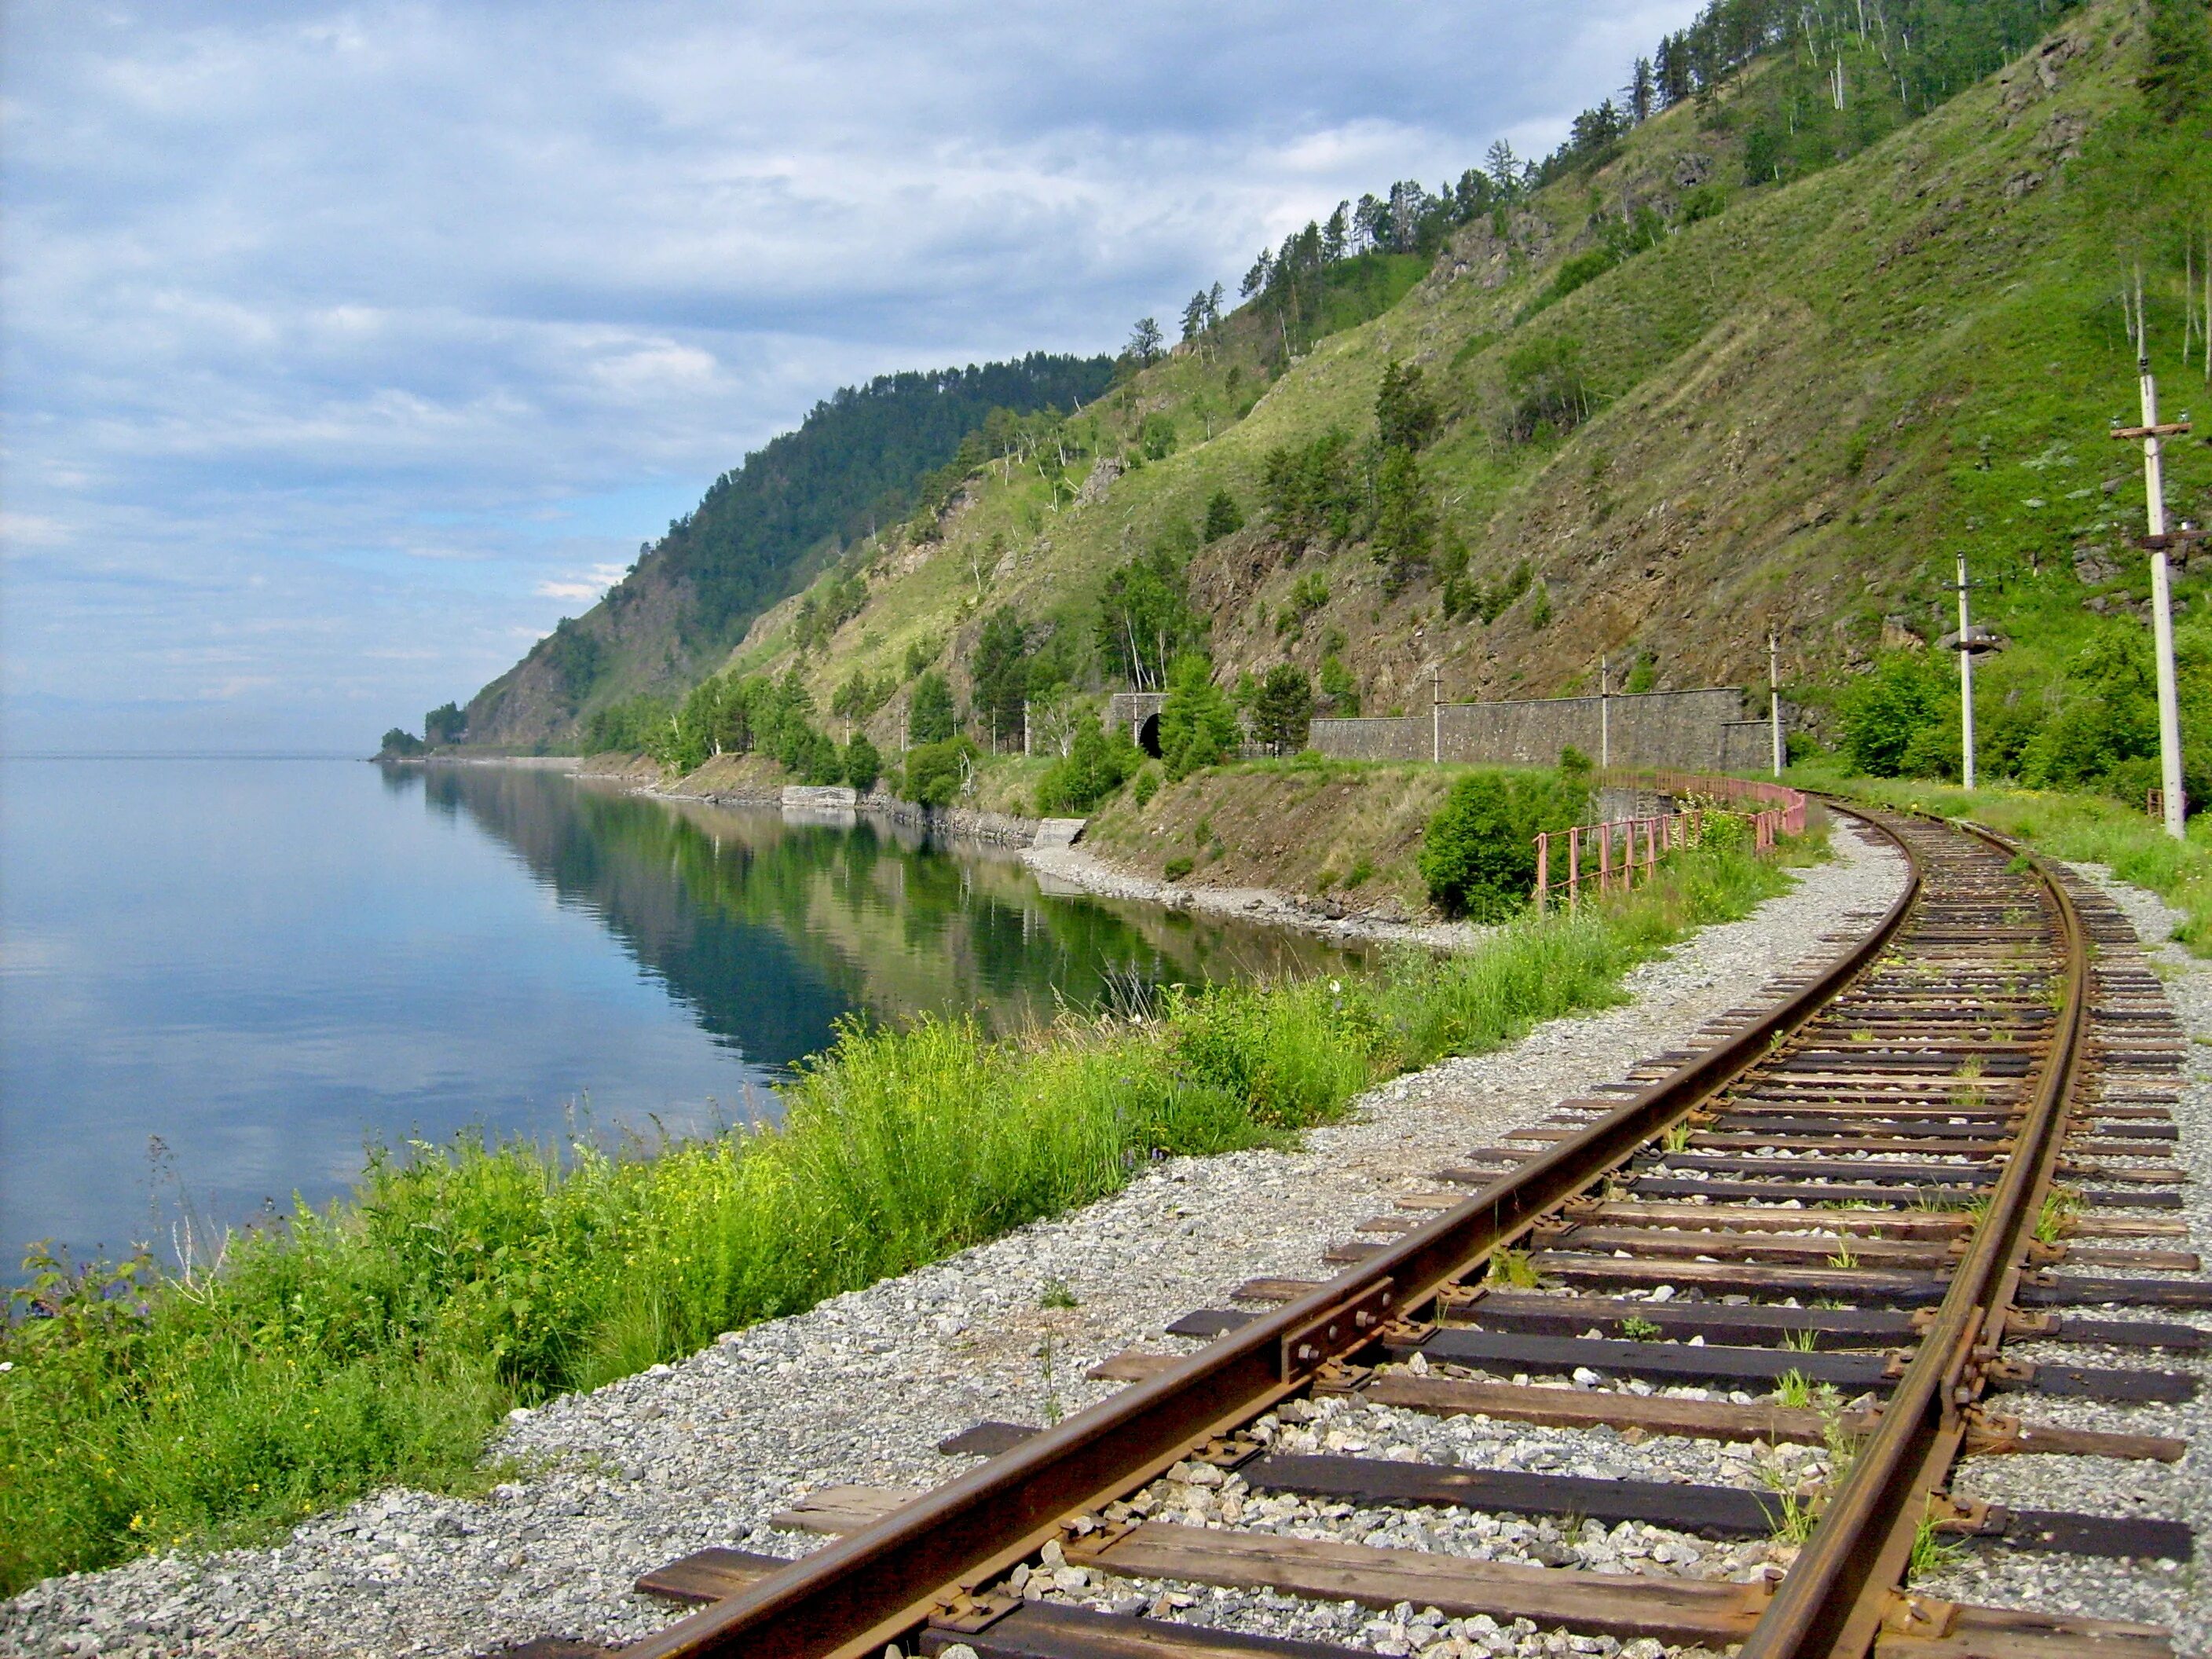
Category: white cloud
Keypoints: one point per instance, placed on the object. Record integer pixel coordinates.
(586, 588)
(408, 320)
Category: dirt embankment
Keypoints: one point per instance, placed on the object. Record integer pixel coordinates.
(1344, 837)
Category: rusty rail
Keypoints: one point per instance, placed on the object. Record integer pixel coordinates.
(852, 1597)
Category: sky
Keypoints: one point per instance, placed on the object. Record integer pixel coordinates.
(344, 350)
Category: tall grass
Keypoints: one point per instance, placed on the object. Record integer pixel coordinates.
(383, 1339)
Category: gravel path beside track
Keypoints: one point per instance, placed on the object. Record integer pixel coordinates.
(859, 1389)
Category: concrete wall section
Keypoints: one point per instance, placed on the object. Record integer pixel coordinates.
(1697, 731)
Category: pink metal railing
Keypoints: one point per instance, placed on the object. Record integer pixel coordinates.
(1625, 846)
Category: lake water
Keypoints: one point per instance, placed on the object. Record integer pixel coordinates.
(222, 980)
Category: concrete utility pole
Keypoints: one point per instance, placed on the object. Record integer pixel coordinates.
(1965, 681)
(1436, 714)
(1774, 698)
(1604, 711)
(2162, 596)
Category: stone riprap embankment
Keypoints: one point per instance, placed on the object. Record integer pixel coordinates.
(860, 1390)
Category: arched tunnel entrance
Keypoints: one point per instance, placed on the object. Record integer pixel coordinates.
(1148, 736)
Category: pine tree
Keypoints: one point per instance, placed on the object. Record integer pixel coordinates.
(1406, 416)
(1223, 517)
(1370, 221)
(1642, 91)
(1000, 669)
(1194, 318)
(1505, 169)
(1144, 341)
(1282, 714)
(929, 715)
(1405, 524)
(1198, 728)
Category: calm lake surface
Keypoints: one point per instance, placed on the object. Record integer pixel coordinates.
(222, 980)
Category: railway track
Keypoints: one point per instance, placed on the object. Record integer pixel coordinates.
(1799, 1250)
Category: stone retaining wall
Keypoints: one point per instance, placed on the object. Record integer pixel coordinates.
(1702, 731)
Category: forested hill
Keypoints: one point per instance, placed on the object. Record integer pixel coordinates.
(860, 459)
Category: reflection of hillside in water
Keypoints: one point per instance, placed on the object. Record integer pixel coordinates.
(769, 929)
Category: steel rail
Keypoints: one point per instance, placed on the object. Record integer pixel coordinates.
(851, 1597)
(1835, 1598)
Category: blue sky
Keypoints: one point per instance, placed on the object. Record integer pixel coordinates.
(342, 350)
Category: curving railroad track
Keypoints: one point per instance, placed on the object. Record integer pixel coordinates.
(1817, 1235)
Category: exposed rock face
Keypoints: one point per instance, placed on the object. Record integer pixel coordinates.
(1101, 480)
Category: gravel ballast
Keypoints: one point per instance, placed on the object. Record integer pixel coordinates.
(859, 1390)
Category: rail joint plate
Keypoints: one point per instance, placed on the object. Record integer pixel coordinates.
(1342, 1330)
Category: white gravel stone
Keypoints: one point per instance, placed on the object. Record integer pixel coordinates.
(859, 1389)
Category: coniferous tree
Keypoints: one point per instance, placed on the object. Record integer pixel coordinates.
(1144, 341)
(1193, 317)
(1223, 517)
(930, 717)
(1404, 523)
(1642, 91)
(1282, 714)
(1370, 223)
(1505, 169)
(1198, 726)
(1001, 669)
(1405, 416)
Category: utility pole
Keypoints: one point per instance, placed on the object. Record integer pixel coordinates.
(2162, 596)
(1604, 711)
(1774, 697)
(1436, 714)
(1966, 681)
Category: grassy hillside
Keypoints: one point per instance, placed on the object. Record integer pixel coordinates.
(1708, 381)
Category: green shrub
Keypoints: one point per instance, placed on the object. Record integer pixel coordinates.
(1478, 853)
(1178, 867)
(936, 772)
(1147, 785)
(1885, 711)
(1096, 764)
(863, 764)
(1223, 516)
